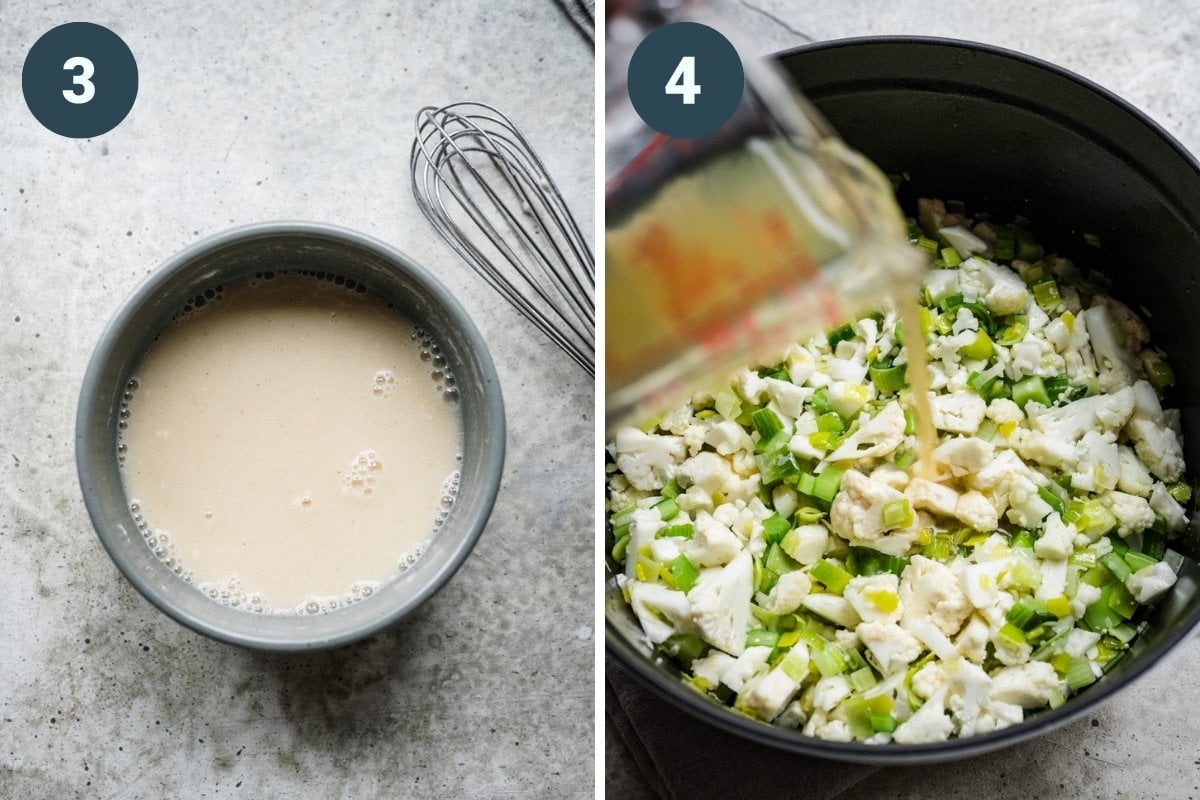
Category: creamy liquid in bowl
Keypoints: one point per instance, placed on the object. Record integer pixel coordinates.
(290, 442)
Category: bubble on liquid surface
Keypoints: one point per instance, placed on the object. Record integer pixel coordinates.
(361, 476)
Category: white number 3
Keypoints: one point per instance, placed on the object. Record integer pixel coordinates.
(683, 81)
(86, 89)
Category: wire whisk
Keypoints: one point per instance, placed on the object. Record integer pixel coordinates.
(486, 191)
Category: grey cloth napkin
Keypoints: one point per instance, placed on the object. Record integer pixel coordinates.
(683, 758)
(583, 14)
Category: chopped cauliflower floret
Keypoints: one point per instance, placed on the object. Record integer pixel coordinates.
(1168, 508)
(1135, 478)
(652, 602)
(972, 639)
(1150, 583)
(1117, 366)
(712, 666)
(976, 512)
(893, 647)
(807, 543)
(828, 692)
(720, 604)
(847, 398)
(824, 727)
(857, 511)
(930, 589)
(767, 696)
(1085, 595)
(928, 724)
(710, 472)
(929, 679)
(750, 386)
(712, 544)
(964, 454)
(727, 438)
(932, 496)
(876, 598)
(788, 592)
(1058, 540)
(957, 412)
(1002, 410)
(790, 397)
(648, 461)
(1028, 685)
(1133, 513)
(879, 436)
(1000, 288)
(751, 662)
(832, 607)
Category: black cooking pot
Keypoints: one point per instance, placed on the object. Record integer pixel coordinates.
(1008, 134)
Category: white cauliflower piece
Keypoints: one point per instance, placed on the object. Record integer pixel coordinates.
(712, 666)
(1085, 595)
(1028, 685)
(751, 662)
(710, 472)
(652, 602)
(1117, 366)
(962, 240)
(964, 454)
(1133, 513)
(1135, 478)
(1168, 508)
(644, 525)
(800, 363)
(667, 549)
(788, 592)
(713, 544)
(969, 689)
(831, 607)
(893, 647)
(790, 397)
(720, 604)
(828, 728)
(1079, 641)
(1001, 289)
(929, 679)
(807, 543)
(857, 510)
(957, 412)
(941, 283)
(1058, 541)
(727, 438)
(828, 692)
(930, 496)
(930, 589)
(976, 512)
(1099, 464)
(1002, 410)
(750, 386)
(972, 639)
(1027, 509)
(853, 370)
(877, 437)
(1158, 447)
(648, 460)
(846, 398)
(928, 724)
(1150, 583)
(770, 694)
(876, 598)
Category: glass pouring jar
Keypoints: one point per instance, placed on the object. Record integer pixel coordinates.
(721, 250)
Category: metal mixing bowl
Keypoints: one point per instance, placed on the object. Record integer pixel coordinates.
(221, 259)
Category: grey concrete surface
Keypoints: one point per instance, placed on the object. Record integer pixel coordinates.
(256, 111)
(1146, 743)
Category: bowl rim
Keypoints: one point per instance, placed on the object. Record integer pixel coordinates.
(700, 707)
(146, 292)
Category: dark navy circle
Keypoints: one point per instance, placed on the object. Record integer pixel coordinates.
(659, 82)
(80, 80)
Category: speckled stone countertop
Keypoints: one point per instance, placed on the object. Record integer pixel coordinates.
(259, 111)
(1145, 743)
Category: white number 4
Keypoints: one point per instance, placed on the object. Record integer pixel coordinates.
(683, 81)
(86, 89)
